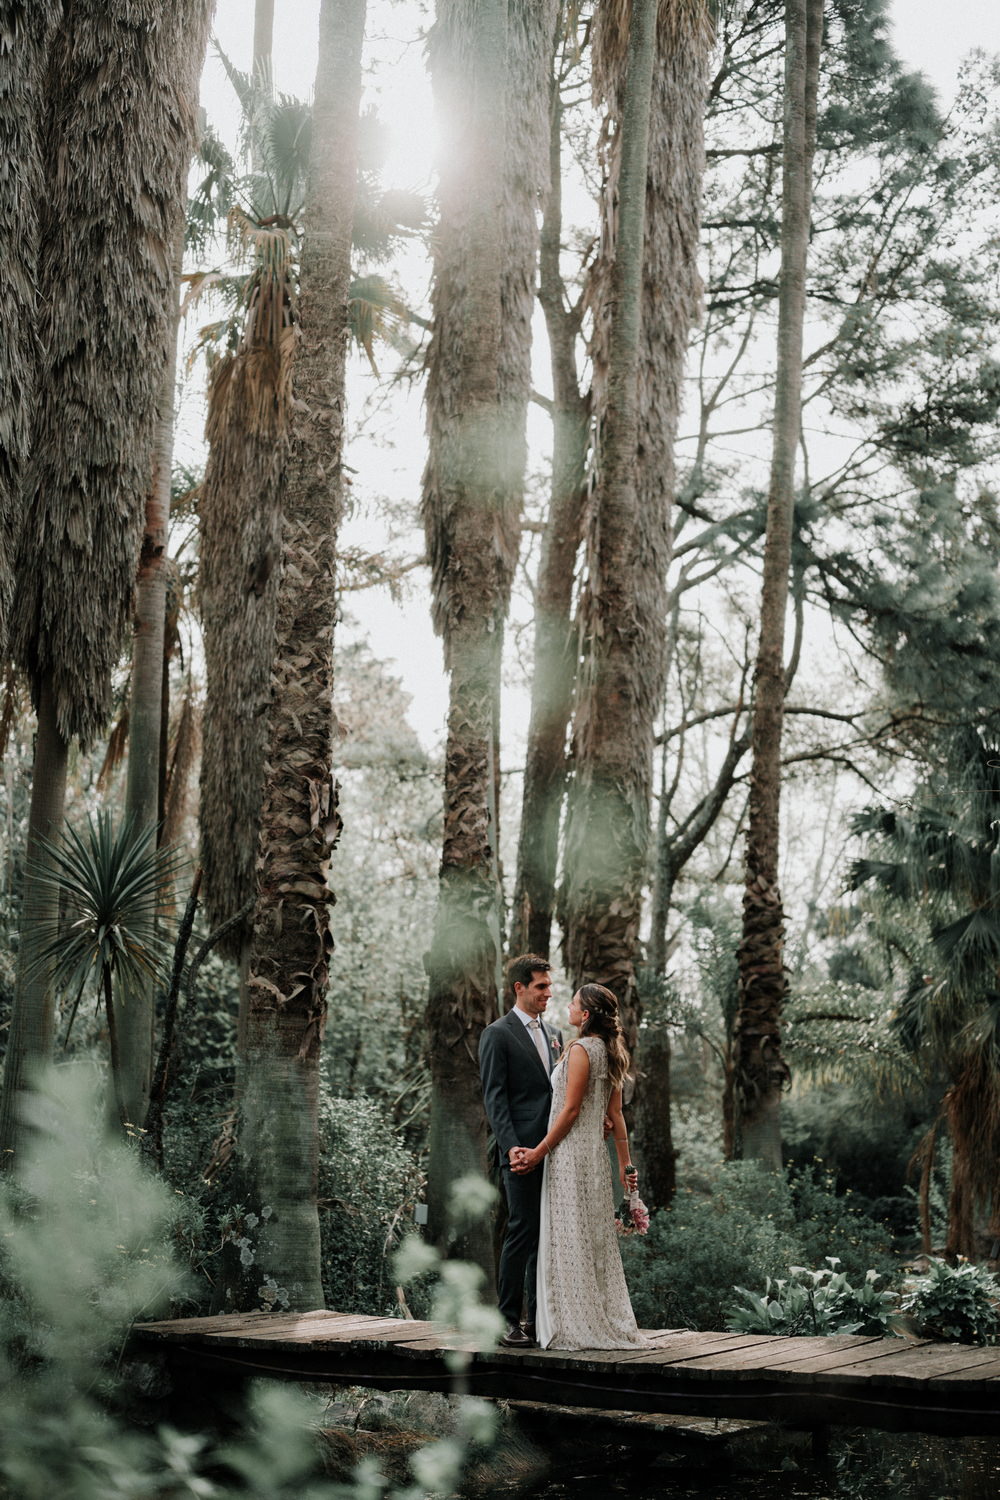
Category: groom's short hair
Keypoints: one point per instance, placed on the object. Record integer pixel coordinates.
(520, 970)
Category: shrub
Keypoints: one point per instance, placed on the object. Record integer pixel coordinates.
(367, 1188)
(682, 1273)
(816, 1303)
(955, 1302)
(753, 1226)
(829, 1225)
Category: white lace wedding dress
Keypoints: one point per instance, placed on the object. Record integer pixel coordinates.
(583, 1300)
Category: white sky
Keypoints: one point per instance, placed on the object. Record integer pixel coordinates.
(929, 35)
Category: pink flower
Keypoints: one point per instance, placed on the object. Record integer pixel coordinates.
(639, 1213)
(633, 1216)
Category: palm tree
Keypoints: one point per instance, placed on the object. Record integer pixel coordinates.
(22, 74)
(290, 942)
(759, 1071)
(940, 857)
(240, 523)
(239, 508)
(122, 86)
(489, 64)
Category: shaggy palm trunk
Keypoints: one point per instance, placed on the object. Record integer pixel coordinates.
(490, 67)
(972, 1109)
(29, 1043)
(554, 673)
(122, 86)
(134, 1019)
(291, 941)
(24, 38)
(240, 527)
(760, 1072)
(621, 610)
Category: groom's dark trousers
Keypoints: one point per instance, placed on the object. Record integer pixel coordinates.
(517, 1096)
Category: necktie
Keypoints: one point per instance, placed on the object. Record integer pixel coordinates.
(535, 1027)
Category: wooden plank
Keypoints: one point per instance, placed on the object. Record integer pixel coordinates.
(985, 1373)
(223, 1323)
(796, 1357)
(303, 1330)
(699, 1346)
(307, 1330)
(725, 1344)
(926, 1364)
(866, 1352)
(762, 1353)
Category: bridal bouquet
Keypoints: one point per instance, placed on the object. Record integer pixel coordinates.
(632, 1217)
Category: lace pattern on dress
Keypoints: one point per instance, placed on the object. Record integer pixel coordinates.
(583, 1300)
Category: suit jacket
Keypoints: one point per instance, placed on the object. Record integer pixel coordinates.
(517, 1092)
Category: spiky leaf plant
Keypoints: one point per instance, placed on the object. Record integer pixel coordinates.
(111, 883)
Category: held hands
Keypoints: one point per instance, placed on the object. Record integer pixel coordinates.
(525, 1159)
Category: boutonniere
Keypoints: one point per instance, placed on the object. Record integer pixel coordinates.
(556, 1046)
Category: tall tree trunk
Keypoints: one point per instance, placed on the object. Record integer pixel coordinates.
(25, 32)
(554, 676)
(263, 38)
(760, 1071)
(240, 532)
(621, 610)
(29, 1041)
(488, 64)
(672, 291)
(291, 941)
(654, 1141)
(121, 94)
(531, 42)
(134, 1019)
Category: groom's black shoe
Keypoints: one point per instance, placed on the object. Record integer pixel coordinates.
(516, 1338)
(529, 1329)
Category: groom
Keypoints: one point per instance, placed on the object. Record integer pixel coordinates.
(516, 1056)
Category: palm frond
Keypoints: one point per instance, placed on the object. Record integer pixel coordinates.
(214, 193)
(969, 947)
(375, 311)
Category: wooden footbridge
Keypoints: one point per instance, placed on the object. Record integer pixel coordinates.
(890, 1383)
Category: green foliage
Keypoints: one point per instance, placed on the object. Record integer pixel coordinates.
(867, 1143)
(112, 882)
(748, 1230)
(85, 1250)
(814, 1303)
(367, 1190)
(682, 1273)
(828, 1222)
(960, 1302)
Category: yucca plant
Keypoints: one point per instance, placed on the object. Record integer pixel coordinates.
(110, 884)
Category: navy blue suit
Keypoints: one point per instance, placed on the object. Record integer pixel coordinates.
(517, 1095)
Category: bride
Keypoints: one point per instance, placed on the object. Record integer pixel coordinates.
(583, 1300)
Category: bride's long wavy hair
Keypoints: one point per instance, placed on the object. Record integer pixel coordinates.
(602, 1020)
